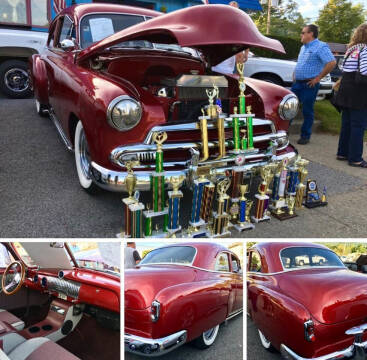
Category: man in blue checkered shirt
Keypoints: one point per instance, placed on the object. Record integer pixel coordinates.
(315, 61)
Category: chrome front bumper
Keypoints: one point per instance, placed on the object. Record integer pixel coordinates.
(115, 180)
(154, 347)
(348, 353)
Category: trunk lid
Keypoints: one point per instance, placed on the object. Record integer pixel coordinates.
(218, 31)
(330, 295)
(143, 283)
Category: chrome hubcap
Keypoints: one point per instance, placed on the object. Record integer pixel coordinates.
(84, 156)
(209, 334)
(16, 80)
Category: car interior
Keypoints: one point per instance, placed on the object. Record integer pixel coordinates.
(47, 321)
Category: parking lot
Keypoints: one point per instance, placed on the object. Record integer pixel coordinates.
(227, 346)
(41, 197)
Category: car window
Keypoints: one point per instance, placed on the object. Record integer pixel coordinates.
(96, 27)
(297, 257)
(255, 262)
(170, 255)
(13, 11)
(5, 257)
(67, 31)
(222, 264)
(235, 264)
(39, 12)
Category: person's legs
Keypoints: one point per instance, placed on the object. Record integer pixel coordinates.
(358, 123)
(344, 137)
(309, 98)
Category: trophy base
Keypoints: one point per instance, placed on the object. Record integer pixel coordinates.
(197, 230)
(264, 218)
(122, 235)
(284, 216)
(173, 232)
(225, 234)
(199, 223)
(151, 213)
(244, 226)
(156, 235)
(315, 204)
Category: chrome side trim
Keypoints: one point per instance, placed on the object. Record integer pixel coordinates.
(238, 312)
(115, 180)
(61, 132)
(154, 347)
(291, 355)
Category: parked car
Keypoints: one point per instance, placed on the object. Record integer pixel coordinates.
(280, 72)
(52, 308)
(314, 310)
(108, 97)
(179, 293)
(360, 264)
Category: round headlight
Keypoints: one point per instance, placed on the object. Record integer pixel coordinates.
(124, 113)
(288, 107)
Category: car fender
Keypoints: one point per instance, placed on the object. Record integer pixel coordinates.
(195, 306)
(279, 317)
(39, 78)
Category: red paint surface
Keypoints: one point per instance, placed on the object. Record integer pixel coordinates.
(191, 298)
(279, 303)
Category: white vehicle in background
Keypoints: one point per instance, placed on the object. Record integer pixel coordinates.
(24, 32)
(280, 72)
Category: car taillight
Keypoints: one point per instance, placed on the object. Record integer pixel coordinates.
(309, 331)
(155, 310)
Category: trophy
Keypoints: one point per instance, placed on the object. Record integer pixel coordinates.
(202, 201)
(175, 196)
(300, 189)
(244, 211)
(157, 187)
(278, 202)
(262, 199)
(292, 180)
(132, 208)
(323, 197)
(221, 216)
(291, 201)
(312, 195)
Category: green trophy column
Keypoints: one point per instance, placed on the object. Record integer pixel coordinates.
(236, 131)
(158, 176)
(250, 130)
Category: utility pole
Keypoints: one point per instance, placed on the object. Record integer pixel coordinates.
(268, 20)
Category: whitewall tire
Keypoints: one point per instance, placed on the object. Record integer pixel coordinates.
(207, 338)
(82, 159)
(265, 342)
(41, 109)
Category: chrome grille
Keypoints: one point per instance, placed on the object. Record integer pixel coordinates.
(69, 288)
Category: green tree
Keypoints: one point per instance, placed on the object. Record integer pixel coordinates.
(286, 20)
(338, 18)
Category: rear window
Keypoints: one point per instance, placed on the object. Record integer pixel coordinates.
(96, 27)
(303, 257)
(170, 255)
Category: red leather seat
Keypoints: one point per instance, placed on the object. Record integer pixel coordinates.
(11, 319)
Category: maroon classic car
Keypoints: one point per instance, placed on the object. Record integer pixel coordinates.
(179, 293)
(51, 308)
(111, 76)
(305, 302)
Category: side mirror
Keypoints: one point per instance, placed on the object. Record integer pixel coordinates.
(67, 45)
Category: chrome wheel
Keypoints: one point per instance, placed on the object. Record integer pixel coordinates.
(208, 335)
(84, 157)
(207, 338)
(265, 342)
(16, 80)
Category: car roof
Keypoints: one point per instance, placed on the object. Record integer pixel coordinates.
(269, 253)
(83, 9)
(206, 253)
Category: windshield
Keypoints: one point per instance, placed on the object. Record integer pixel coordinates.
(170, 255)
(304, 257)
(100, 256)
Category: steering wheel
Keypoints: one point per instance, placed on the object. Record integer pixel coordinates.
(13, 278)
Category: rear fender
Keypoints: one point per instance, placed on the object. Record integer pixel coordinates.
(39, 79)
(195, 307)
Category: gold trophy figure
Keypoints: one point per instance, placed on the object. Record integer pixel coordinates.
(303, 172)
(212, 110)
(291, 202)
(130, 179)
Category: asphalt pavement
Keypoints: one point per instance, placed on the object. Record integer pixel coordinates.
(255, 351)
(41, 197)
(227, 346)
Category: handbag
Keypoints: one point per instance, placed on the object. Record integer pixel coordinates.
(360, 79)
(334, 95)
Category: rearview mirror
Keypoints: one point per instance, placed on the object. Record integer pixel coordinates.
(57, 245)
(67, 45)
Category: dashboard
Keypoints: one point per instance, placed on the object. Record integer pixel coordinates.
(77, 286)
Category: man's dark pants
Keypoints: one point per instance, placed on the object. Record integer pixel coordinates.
(307, 96)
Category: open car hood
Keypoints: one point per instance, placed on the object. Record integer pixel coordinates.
(218, 31)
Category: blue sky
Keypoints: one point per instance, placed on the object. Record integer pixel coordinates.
(310, 8)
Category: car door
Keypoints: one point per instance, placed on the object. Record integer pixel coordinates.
(60, 69)
(238, 278)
